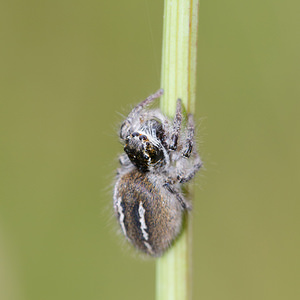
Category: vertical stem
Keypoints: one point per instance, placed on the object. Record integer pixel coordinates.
(178, 79)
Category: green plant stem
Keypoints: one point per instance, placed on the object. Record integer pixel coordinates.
(178, 79)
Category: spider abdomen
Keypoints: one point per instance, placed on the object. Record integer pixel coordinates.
(149, 215)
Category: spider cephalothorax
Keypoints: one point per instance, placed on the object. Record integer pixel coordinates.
(159, 157)
(145, 148)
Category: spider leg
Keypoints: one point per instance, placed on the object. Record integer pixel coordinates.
(124, 160)
(145, 102)
(187, 168)
(185, 205)
(126, 165)
(183, 175)
(176, 126)
(190, 137)
(125, 127)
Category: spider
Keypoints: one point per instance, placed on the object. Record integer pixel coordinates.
(159, 158)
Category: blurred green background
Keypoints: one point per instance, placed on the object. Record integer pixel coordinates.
(68, 70)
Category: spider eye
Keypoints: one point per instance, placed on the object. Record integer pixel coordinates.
(143, 137)
(134, 134)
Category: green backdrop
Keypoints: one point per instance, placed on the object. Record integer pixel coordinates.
(69, 70)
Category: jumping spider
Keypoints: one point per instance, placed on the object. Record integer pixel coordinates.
(159, 157)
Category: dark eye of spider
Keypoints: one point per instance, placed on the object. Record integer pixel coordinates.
(134, 134)
(143, 137)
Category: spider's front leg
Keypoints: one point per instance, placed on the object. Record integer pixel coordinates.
(176, 126)
(124, 160)
(190, 137)
(190, 162)
(125, 163)
(134, 114)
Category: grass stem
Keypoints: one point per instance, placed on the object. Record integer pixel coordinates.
(178, 79)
